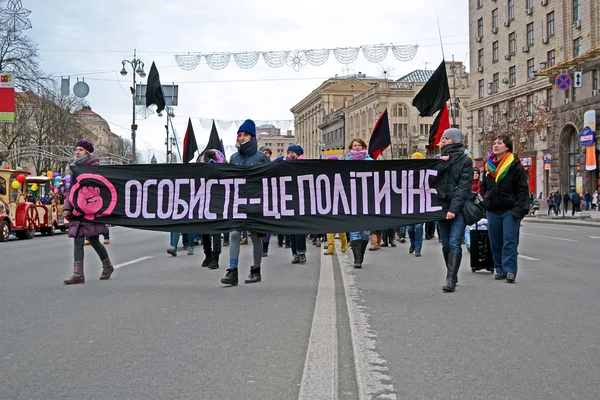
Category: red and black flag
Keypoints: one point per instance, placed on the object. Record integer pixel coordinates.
(440, 124)
(380, 138)
(436, 92)
(154, 92)
(189, 143)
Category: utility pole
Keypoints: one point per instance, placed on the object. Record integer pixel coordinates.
(137, 66)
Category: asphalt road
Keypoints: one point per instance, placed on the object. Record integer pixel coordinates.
(165, 328)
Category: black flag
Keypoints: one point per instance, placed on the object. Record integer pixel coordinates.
(189, 143)
(380, 138)
(436, 92)
(214, 142)
(154, 93)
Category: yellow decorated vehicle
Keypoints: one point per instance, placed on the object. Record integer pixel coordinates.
(17, 214)
(49, 205)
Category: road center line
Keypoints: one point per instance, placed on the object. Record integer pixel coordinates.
(532, 225)
(137, 260)
(528, 258)
(372, 374)
(548, 237)
(319, 379)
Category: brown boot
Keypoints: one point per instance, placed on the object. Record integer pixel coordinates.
(107, 269)
(379, 236)
(374, 245)
(77, 276)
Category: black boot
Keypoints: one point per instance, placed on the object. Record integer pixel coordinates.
(207, 258)
(363, 249)
(254, 275)
(454, 260)
(355, 246)
(265, 250)
(214, 261)
(231, 277)
(391, 239)
(384, 242)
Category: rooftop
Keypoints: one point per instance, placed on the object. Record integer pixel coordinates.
(417, 76)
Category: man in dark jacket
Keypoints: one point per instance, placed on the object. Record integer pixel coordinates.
(557, 201)
(505, 192)
(566, 200)
(576, 200)
(247, 155)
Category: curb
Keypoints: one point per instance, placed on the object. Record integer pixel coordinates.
(589, 224)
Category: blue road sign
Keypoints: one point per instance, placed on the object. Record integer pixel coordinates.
(563, 82)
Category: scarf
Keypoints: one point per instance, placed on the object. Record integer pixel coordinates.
(357, 155)
(499, 169)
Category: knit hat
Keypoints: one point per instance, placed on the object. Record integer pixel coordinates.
(455, 134)
(248, 127)
(86, 144)
(418, 155)
(476, 169)
(296, 149)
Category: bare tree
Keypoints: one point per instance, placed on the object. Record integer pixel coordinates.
(19, 56)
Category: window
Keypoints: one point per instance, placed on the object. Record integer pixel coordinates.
(479, 3)
(511, 10)
(495, 113)
(512, 43)
(530, 140)
(512, 76)
(595, 79)
(424, 129)
(529, 104)
(396, 129)
(400, 110)
(480, 58)
(480, 118)
(480, 27)
(550, 24)
(574, 160)
(529, 4)
(481, 89)
(530, 69)
(512, 110)
(577, 47)
(530, 34)
(496, 83)
(576, 10)
(549, 98)
(495, 51)
(495, 18)
(551, 59)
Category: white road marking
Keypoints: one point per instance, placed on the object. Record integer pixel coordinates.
(137, 260)
(372, 374)
(594, 237)
(319, 379)
(528, 258)
(533, 225)
(549, 237)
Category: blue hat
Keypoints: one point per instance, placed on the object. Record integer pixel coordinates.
(248, 127)
(296, 149)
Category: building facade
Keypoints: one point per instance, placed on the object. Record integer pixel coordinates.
(333, 130)
(517, 47)
(271, 137)
(98, 130)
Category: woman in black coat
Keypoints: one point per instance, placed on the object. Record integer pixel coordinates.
(505, 192)
(454, 188)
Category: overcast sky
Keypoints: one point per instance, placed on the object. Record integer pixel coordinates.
(89, 39)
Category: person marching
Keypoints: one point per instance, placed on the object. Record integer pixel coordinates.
(358, 240)
(331, 236)
(247, 155)
(79, 230)
(298, 242)
(455, 183)
(415, 232)
(212, 251)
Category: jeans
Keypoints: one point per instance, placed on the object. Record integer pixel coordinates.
(468, 236)
(95, 242)
(415, 234)
(587, 206)
(216, 243)
(503, 231)
(451, 233)
(188, 239)
(298, 244)
(363, 235)
(234, 249)
(402, 230)
(575, 208)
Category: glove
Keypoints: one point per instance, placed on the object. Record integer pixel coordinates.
(278, 159)
(211, 161)
(66, 213)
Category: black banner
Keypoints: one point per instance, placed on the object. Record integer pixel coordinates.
(304, 196)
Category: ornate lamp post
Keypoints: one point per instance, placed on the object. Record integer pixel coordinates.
(137, 66)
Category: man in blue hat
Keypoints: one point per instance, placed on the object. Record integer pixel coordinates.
(247, 154)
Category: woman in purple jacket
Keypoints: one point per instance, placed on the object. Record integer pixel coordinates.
(84, 157)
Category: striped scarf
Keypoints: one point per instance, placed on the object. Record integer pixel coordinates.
(499, 169)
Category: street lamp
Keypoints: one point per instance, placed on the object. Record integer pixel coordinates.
(137, 67)
(455, 101)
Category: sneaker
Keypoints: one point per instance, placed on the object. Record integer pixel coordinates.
(225, 243)
(172, 251)
(392, 244)
(499, 277)
(106, 241)
(411, 249)
(265, 255)
(384, 244)
(190, 251)
(402, 240)
(206, 261)
(302, 258)
(254, 275)
(231, 277)
(417, 254)
(296, 260)
(510, 278)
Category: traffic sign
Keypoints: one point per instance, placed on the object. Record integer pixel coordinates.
(563, 82)
(577, 77)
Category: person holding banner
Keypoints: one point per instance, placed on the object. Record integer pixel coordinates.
(298, 242)
(505, 192)
(80, 229)
(212, 251)
(456, 180)
(330, 249)
(247, 155)
(358, 240)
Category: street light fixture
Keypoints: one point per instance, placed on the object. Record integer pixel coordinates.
(137, 67)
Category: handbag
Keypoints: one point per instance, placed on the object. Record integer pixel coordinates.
(473, 209)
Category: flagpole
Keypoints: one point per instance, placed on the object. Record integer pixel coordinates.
(440, 33)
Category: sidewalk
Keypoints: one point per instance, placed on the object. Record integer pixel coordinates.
(586, 218)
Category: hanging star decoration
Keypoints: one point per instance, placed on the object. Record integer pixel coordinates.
(14, 17)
